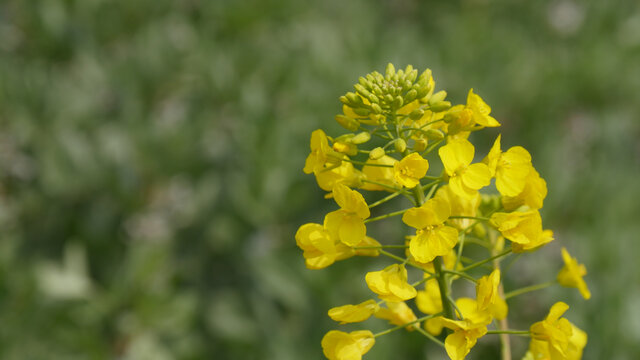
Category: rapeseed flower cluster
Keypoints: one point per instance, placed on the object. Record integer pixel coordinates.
(406, 143)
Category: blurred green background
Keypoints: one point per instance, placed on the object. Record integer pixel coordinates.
(151, 156)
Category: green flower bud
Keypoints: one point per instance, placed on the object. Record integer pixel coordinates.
(400, 145)
(388, 99)
(362, 111)
(361, 138)
(391, 70)
(410, 96)
(439, 96)
(354, 99)
(416, 114)
(361, 90)
(347, 122)
(434, 134)
(397, 102)
(376, 108)
(376, 153)
(420, 145)
(440, 106)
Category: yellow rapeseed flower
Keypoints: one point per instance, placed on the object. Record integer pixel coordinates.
(347, 224)
(344, 174)
(465, 332)
(460, 206)
(520, 227)
(510, 168)
(465, 179)
(572, 273)
(391, 283)
(338, 345)
(480, 110)
(488, 297)
(321, 153)
(432, 238)
(532, 195)
(554, 332)
(398, 313)
(320, 249)
(539, 349)
(354, 313)
(410, 170)
(380, 174)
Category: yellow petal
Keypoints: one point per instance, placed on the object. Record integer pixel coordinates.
(457, 346)
(476, 176)
(455, 155)
(353, 313)
(352, 230)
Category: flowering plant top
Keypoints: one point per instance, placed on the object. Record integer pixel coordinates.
(398, 129)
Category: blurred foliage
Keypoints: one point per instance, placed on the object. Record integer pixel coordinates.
(151, 156)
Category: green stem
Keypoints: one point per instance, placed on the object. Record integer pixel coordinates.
(366, 163)
(382, 184)
(479, 263)
(444, 289)
(380, 247)
(527, 289)
(385, 332)
(429, 336)
(512, 332)
(395, 213)
(461, 274)
(385, 199)
(469, 217)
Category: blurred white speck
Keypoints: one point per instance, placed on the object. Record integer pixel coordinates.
(565, 17)
(68, 280)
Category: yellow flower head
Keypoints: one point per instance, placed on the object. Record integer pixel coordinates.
(354, 313)
(338, 345)
(488, 297)
(344, 174)
(380, 174)
(397, 313)
(318, 246)
(480, 110)
(465, 179)
(532, 195)
(410, 170)
(554, 331)
(546, 236)
(321, 153)
(347, 224)
(465, 332)
(460, 206)
(511, 168)
(391, 283)
(572, 273)
(433, 238)
(519, 227)
(539, 349)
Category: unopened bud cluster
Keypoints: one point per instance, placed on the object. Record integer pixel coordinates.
(398, 128)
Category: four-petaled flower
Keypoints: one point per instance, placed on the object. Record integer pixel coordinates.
(410, 170)
(432, 238)
(338, 345)
(465, 179)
